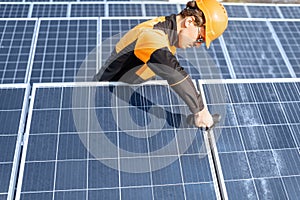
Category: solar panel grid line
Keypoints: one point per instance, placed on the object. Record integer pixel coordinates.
(217, 167)
(217, 173)
(118, 154)
(143, 10)
(30, 10)
(69, 10)
(106, 10)
(283, 20)
(227, 57)
(220, 191)
(279, 45)
(98, 43)
(17, 154)
(25, 144)
(57, 146)
(247, 11)
(32, 50)
(279, 12)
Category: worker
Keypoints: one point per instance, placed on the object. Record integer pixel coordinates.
(149, 49)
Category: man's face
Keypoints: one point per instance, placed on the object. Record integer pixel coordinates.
(189, 34)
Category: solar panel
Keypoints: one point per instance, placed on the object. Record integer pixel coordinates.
(289, 36)
(119, 10)
(87, 10)
(236, 11)
(292, 12)
(112, 141)
(15, 46)
(253, 51)
(160, 9)
(263, 11)
(49, 10)
(14, 10)
(259, 149)
(12, 118)
(203, 63)
(63, 46)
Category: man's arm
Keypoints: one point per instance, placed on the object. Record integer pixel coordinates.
(163, 63)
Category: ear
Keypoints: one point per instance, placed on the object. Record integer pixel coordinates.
(189, 21)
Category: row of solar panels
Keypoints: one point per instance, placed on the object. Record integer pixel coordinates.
(54, 50)
(112, 9)
(257, 153)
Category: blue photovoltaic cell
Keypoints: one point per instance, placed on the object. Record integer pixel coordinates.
(160, 9)
(253, 51)
(289, 37)
(292, 12)
(259, 152)
(116, 10)
(203, 63)
(49, 10)
(87, 10)
(236, 11)
(15, 45)
(263, 12)
(10, 113)
(63, 47)
(148, 153)
(14, 10)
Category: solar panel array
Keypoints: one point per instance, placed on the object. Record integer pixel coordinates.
(88, 140)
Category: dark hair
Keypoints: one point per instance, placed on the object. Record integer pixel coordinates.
(191, 9)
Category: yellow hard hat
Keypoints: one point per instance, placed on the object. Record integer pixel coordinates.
(216, 19)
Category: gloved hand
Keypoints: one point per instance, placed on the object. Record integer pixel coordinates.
(203, 119)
